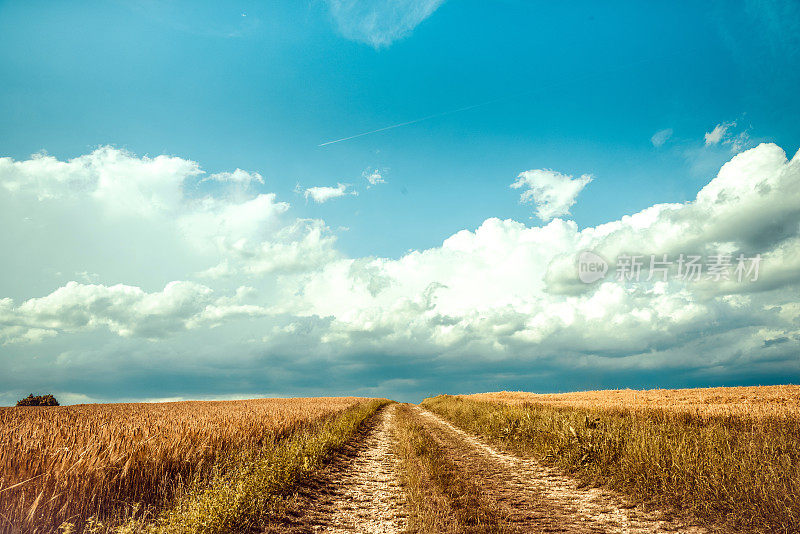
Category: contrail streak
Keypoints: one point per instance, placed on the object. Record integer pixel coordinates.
(410, 122)
(540, 88)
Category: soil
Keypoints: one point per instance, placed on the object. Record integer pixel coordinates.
(360, 491)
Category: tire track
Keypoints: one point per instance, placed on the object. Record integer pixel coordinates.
(535, 498)
(359, 491)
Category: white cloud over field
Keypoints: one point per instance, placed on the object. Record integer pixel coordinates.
(211, 278)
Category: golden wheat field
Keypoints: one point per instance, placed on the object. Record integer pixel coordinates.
(728, 457)
(758, 401)
(115, 461)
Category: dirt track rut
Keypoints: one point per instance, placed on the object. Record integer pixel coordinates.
(359, 491)
(534, 498)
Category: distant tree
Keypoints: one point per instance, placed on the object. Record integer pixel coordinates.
(38, 400)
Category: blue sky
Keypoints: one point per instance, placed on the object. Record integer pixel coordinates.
(625, 93)
(261, 91)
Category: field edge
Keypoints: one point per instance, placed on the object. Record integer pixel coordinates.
(255, 487)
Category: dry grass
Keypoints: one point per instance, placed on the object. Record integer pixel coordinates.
(754, 401)
(440, 500)
(253, 491)
(111, 462)
(737, 470)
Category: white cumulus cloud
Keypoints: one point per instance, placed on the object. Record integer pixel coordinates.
(129, 219)
(551, 192)
(238, 177)
(512, 291)
(231, 293)
(122, 309)
(323, 193)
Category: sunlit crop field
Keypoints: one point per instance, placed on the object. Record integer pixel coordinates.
(778, 401)
(730, 456)
(114, 461)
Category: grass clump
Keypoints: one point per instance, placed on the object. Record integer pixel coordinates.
(736, 471)
(440, 500)
(252, 488)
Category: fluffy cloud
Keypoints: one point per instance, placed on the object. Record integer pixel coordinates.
(144, 222)
(123, 310)
(238, 177)
(219, 291)
(322, 194)
(512, 291)
(553, 193)
(380, 22)
(113, 179)
(303, 246)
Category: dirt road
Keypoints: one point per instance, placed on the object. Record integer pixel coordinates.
(360, 490)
